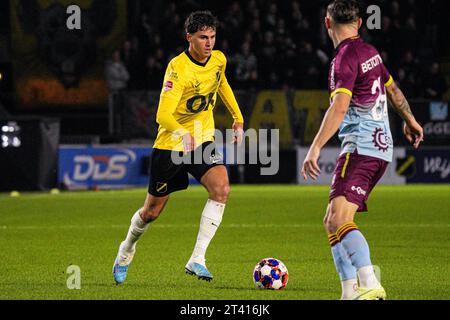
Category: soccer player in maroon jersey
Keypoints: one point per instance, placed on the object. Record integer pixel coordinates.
(359, 86)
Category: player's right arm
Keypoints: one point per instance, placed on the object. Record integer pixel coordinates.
(330, 124)
(345, 73)
(412, 129)
(169, 99)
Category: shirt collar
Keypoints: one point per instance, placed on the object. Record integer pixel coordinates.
(347, 41)
(195, 61)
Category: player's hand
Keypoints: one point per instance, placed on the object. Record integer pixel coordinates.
(188, 143)
(413, 133)
(238, 132)
(310, 166)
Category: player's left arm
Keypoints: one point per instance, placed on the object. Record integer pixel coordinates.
(412, 129)
(228, 98)
(330, 124)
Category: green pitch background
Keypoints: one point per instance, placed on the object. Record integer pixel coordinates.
(42, 234)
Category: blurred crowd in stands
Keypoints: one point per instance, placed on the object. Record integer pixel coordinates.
(284, 44)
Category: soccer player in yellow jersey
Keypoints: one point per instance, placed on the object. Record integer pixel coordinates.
(186, 130)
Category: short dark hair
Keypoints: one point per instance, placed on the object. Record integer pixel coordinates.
(344, 11)
(200, 20)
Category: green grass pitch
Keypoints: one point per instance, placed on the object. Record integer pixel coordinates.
(41, 235)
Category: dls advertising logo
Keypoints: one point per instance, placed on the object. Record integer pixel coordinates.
(92, 167)
(101, 167)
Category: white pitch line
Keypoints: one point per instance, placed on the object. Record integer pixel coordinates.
(234, 226)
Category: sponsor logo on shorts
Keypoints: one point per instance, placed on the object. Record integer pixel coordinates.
(161, 187)
(359, 190)
(217, 158)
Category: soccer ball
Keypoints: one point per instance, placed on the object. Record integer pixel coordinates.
(270, 273)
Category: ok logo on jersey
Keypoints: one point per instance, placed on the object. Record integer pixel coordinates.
(200, 103)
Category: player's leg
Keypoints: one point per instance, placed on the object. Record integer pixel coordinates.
(140, 222)
(355, 245)
(216, 183)
(353, 179)
(165, 178)
(370, 287)
(344, 267)
(153, 207)
(215, 180)
(340, 221)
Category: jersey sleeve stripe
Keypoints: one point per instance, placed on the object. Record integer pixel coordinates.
(389, 82)
(343, 90)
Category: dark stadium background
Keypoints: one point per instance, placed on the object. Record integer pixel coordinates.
(53, 88)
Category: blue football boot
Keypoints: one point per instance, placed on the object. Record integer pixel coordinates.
(199, 270)
(121, 265)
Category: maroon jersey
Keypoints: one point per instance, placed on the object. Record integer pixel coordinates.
(358, 70)
(354, 69)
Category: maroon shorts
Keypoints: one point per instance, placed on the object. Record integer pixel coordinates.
(355, 176)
